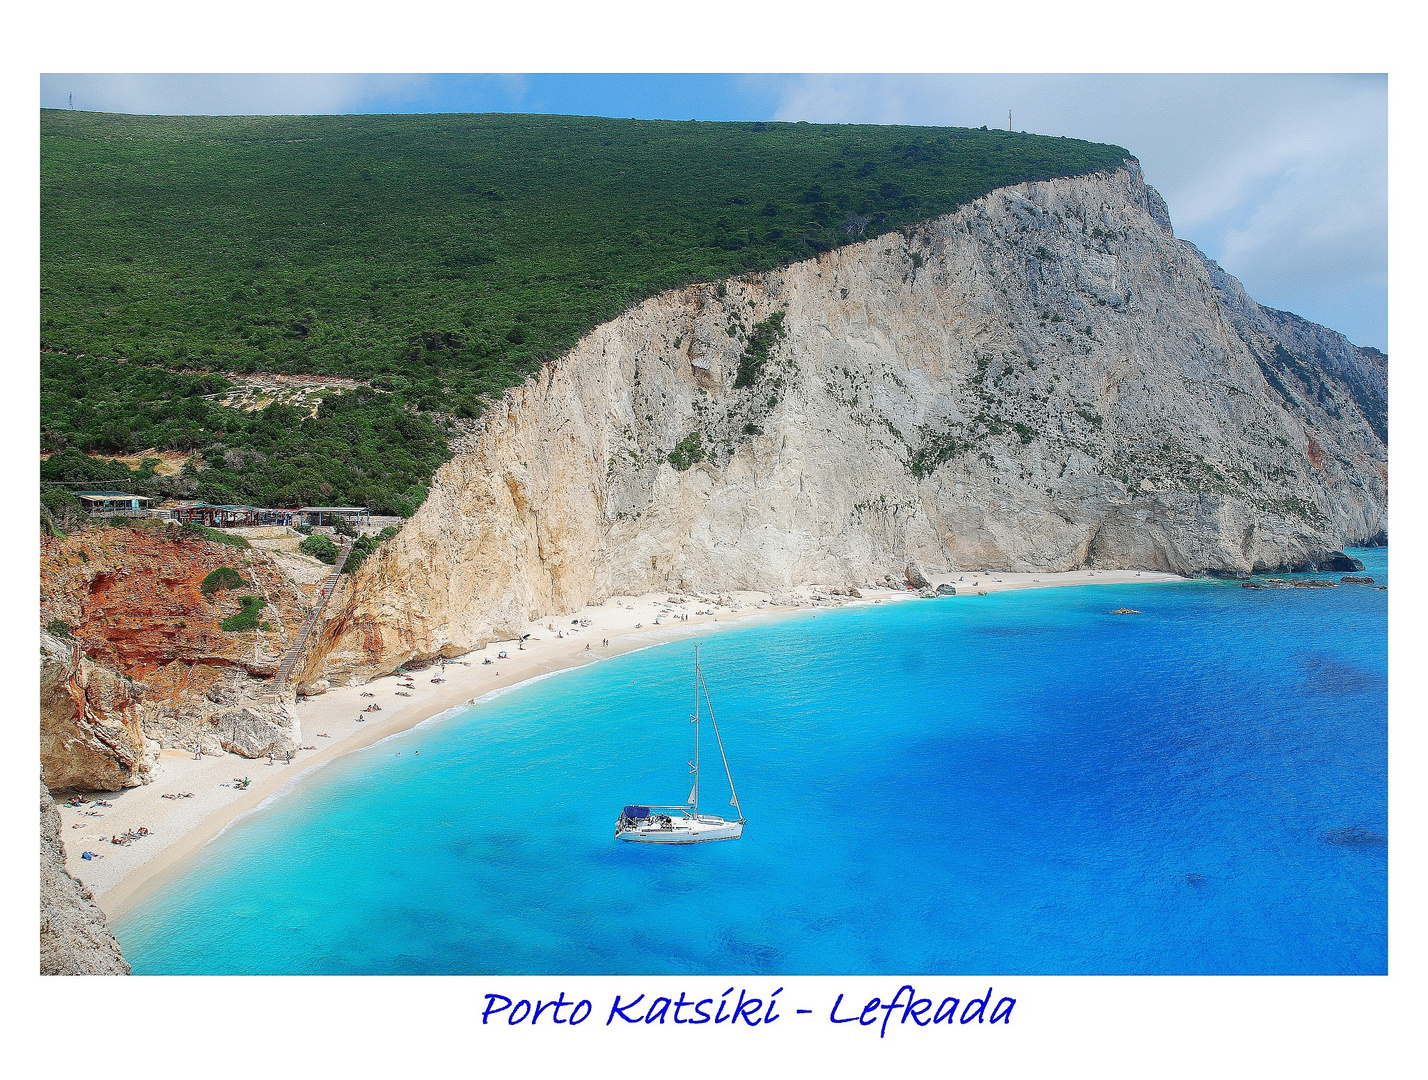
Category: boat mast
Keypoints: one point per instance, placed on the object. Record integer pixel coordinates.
(694, 791)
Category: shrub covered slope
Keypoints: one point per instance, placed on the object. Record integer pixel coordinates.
(440, 257)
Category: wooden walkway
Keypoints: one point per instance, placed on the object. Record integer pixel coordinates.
(294, 654)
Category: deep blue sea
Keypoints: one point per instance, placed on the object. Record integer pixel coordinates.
(1020, 783)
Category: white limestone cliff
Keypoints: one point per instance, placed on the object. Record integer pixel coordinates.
(1045, 379)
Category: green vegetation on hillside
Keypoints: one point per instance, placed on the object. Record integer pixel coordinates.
(225, 577)
(203, 532)
(364, 546)
(440, 257)
(764, 337)
(361, 449)
(320, 548)
(689, 451)
(246, 619)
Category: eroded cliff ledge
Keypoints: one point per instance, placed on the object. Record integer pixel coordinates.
(1043, 380)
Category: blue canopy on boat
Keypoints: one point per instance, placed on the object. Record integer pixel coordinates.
(637, 813)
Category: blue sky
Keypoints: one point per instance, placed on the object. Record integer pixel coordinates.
(1283, 179)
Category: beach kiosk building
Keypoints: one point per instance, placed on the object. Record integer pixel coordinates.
(217, 515)
(324, 515)
(101, 503)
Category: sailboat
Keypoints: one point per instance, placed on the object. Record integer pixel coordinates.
(685, 824)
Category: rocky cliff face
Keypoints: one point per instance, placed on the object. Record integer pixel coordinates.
(146, 662)
(90, 731)
(74, 936)
(134, 601)
(1043, 380)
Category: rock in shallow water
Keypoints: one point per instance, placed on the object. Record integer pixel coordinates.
(1334, 560)
(1354, 836)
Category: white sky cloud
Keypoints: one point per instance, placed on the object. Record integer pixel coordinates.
(1281, 179)
(215, 95)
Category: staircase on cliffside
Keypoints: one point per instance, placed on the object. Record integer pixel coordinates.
(294, 653)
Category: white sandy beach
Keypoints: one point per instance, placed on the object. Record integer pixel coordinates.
(177, 828)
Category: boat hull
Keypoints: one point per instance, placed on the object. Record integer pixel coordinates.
(683, 831)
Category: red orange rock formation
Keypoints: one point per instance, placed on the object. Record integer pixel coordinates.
(135, 655)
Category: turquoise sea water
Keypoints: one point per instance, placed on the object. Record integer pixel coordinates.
(1017, 783)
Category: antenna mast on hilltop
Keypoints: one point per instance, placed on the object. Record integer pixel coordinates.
(1008, 119)
(71, 99)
